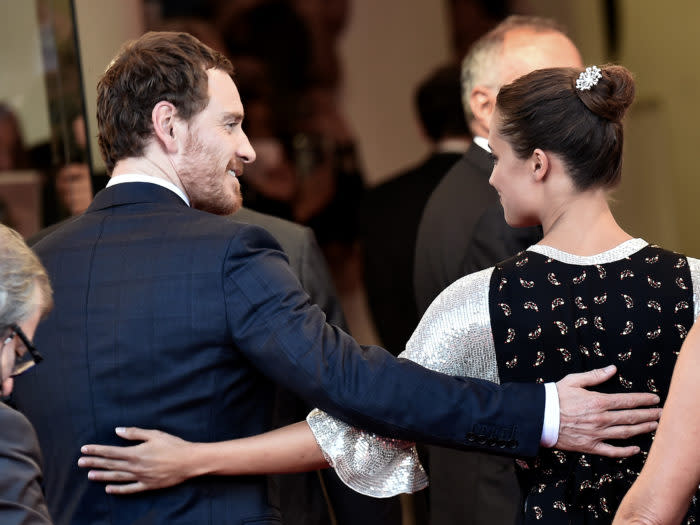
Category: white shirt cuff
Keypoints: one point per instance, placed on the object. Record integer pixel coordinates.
(550, 426)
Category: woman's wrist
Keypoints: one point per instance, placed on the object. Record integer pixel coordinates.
(202, 459)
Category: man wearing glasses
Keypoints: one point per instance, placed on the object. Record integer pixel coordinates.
(25, 295)
(25, 353)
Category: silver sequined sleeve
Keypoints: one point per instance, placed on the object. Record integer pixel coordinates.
(694, 266)
(454, 337)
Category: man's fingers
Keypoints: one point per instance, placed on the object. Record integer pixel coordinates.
(613, 418)
(605, 449)
(627, 431)
(130, 488)
(111, 475)
(624, 401)
(590, 378)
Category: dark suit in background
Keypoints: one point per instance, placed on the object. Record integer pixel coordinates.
(462, 231)
(301, 496)
(172, 317)
(21, 497)
(390, 215)
(391, 212)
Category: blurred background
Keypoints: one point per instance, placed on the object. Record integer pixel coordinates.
(328, 86)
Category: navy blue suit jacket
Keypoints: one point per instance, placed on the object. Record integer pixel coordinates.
(177, 319)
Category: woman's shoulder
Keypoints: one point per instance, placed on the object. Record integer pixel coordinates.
(454, 335)
(470, 287)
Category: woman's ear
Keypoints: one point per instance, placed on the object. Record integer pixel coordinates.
(165, 125)
(539, 163)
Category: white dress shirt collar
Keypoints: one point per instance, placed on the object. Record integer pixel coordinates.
(483, 143)
(129, 177)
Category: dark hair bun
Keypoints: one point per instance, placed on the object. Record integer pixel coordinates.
(612, 95)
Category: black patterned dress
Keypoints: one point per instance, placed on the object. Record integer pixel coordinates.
(537, 317)
(550, 318)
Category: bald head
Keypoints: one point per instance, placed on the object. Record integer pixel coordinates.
(514, 48)
(525, 51)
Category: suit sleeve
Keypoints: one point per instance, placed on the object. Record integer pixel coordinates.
(454, 337)
(273, 323)
(21, 497)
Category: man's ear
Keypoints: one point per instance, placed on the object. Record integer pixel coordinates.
(482, 102)
(165, 126)
(539, 164)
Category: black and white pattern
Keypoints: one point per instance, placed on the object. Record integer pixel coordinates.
(537, 317)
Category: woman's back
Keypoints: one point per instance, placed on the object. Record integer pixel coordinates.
(553, 313)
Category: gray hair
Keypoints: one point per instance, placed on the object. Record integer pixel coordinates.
(482, 65)
(21, 273)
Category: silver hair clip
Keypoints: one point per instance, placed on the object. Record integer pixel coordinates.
(588, 78)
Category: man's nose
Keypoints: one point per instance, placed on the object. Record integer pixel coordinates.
(246, 152)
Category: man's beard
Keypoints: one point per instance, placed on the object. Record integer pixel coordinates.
(207, 190)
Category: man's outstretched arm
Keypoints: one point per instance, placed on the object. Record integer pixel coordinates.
(588, 419)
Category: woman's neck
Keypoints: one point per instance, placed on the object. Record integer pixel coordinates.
(582, 224)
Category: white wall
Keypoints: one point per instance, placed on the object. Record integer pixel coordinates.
(22, 83)
(660, 190)
(103, 26)
(388, 47)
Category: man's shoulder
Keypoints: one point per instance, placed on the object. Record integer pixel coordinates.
(378, 195)
(467, 173)
(16, 428)
(169, 227)
(463, 191)
(427, 173)
(295, 239)
(278, 227)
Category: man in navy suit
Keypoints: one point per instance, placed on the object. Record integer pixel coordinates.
(168, 316)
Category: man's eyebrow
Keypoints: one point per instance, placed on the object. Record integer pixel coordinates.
(232, 115)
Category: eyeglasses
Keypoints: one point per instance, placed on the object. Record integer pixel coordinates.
(26, 357)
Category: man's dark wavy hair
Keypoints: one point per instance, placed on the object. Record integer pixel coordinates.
(155, 67)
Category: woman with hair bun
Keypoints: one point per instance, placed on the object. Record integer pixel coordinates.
(587, 296)
(603, 296)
